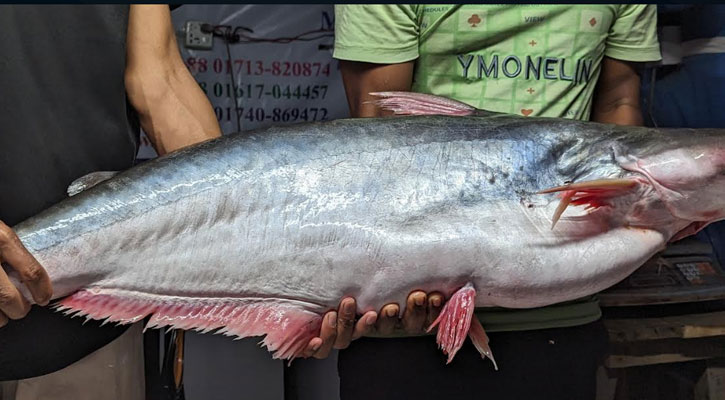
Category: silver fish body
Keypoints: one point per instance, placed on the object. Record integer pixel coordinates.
(372, 208)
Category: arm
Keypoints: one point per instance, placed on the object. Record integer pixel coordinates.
(361, 79)
(173, 110)
(616, 99)
(632, 38)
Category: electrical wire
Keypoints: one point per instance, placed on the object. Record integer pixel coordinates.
(223, 32)
(240, 35)
(234, 87)
(321, 33)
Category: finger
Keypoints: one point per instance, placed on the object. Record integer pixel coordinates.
(415, 312)
(12, 303)
(328, 332)
(435, 305)
(312, 346)
(345, 323)
(365, 325)
(31, 272)
(388, 319)
(3, 319)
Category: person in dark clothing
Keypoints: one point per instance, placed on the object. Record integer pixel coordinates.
(77, 82)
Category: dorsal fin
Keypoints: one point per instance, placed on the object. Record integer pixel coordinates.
(86, 182)
(410, 103)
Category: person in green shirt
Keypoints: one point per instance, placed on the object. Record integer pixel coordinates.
(570, 61)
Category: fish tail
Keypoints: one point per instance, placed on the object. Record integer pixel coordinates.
(287, 326)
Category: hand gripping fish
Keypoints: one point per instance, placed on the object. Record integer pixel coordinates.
(261, 233)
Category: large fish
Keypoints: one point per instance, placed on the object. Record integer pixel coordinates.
(261, 233)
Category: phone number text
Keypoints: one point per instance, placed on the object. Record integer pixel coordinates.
(257, 67)
(260, 90)
(258, 114)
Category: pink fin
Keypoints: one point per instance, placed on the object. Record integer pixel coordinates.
(287, 325)
(480, 340)
(593, 194)
(410, 103)
(596, 186)
(455, 321)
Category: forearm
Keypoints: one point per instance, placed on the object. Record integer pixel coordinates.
(172, 109)
(361, 79)
(616, 99)
(619, 114)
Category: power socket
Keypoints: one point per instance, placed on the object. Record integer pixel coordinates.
(196, 38)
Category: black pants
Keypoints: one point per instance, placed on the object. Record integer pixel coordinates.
(542, 364)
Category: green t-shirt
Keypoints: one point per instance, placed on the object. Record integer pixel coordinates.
(534, 60)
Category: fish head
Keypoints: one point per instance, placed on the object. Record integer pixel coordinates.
(686, 172)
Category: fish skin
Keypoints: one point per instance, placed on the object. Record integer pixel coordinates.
(372, 208)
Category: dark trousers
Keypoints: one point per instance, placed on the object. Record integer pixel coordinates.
(715, 235)
(541, 364)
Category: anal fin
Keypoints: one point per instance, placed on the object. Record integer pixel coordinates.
(287, 325)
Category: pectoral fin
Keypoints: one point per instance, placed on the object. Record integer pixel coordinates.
(593, 194)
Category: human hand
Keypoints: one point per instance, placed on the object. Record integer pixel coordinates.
(339, 328)
(12, 253)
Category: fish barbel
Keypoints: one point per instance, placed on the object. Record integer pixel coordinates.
(261, 233)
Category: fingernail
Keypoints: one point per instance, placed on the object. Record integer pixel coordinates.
(391, 312)
(419, 300)
(316, 347)
(436, 302)
(371, 320)
(332, 319)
